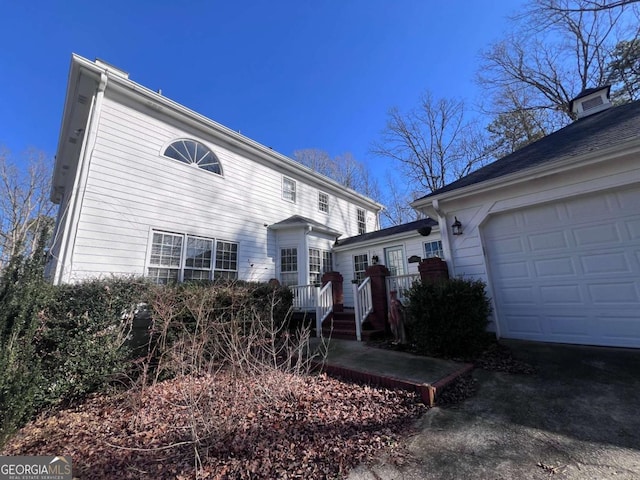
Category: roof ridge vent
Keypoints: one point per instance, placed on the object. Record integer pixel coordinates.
(590, 101)
(107, 66)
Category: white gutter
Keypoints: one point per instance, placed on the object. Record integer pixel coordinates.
(77, 194)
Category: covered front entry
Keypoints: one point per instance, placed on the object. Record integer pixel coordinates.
(568, 271)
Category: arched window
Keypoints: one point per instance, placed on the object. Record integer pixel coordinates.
(195, 154)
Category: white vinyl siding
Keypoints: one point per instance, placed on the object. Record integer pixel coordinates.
(132, 188)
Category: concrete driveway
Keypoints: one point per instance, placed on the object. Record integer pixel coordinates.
(577, 418)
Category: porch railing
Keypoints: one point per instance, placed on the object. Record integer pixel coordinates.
(324, 305)
(304, 297)
(312, 298)
(401, 284)
(363, 304)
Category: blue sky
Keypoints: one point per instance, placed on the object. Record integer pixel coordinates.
(289, 74)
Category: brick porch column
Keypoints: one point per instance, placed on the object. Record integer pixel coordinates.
(433, 269)
(337, 285)
(378, 275)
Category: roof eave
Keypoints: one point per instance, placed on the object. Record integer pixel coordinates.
(218, 130)
(539, 171)
(378, 240)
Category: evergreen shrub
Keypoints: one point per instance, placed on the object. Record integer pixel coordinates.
(448, 318)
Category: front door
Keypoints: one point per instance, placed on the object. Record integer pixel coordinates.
(395, 260)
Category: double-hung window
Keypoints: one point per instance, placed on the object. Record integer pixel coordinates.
(176, 257)
(323, 202)
(314, 266)
(360, 265)
(165, 261)
(289, 266)
(327, 261)
(289, 189)
(320, 262)
(433, 249)
(362, 221)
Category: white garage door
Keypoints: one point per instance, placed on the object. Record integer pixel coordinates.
(569, 271)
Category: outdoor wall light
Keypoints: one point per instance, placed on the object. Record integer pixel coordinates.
(456, 228)
(375, 259)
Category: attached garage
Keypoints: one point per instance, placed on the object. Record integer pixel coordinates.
(568, 271)
(554, 230)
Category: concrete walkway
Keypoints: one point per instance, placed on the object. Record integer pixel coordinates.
(576, 419)
(357, 361)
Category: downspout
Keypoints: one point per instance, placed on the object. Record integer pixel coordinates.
(444, 235)
(305, 255)
(80, 184)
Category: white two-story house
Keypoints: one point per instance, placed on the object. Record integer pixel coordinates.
(148, 187)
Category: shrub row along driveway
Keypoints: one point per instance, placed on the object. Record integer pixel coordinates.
(577, 418)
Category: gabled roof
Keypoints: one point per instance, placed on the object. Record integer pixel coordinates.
(387, 232)
(595, 132)
(298, 221)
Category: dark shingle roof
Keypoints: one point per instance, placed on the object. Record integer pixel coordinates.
(300, 221)
(387, 232)
(592, 133)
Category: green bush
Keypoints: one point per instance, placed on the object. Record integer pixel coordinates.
(448, 318)
(59, 343)
(82, 341)
(23, 292)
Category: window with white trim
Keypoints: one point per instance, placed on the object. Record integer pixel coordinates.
(433, 249)
(289, 189)
(289, 266)
(360, 265)
(226, 261)
(195, 154)
(176, 257)
(320, 262)
(323, 202)
(362, 221)
(314, 266)
(166, 257)
(327, 261)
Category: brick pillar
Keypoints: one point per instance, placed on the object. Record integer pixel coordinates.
(336, 284)
(433, 269)
(378, 275)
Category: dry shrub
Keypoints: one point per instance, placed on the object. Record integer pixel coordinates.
(200, 333)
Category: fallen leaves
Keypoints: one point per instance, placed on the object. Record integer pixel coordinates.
(290, 427)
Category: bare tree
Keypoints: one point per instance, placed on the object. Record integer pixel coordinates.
(624, 71)
(25, 209)
(595, 6)
(344, 169)
(397, 199)
(433, 144)
(557, 49)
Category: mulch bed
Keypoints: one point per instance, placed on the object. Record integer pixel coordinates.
(280, 426)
